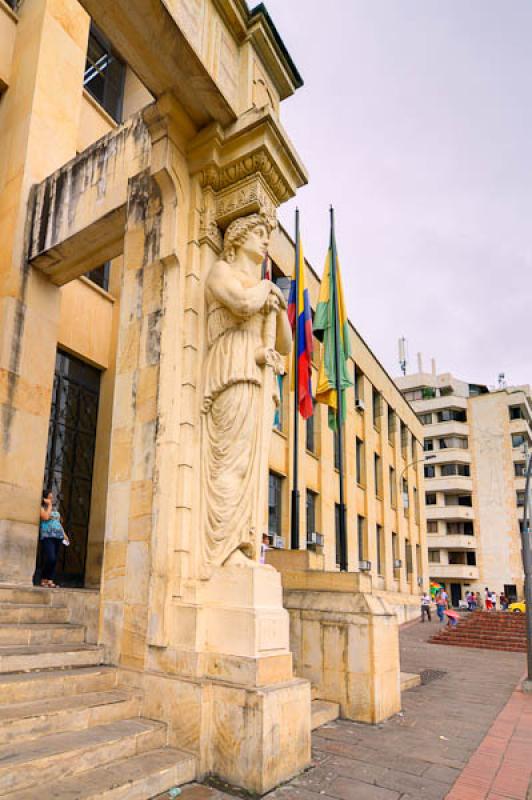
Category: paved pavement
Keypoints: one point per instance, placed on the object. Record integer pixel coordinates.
(420, 754)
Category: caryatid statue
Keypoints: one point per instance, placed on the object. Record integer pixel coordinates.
(247, 334)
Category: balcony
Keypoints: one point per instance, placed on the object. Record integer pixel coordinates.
(451, 541)
(456, 456)
(452, 428)
(450, 483)
(453, 572)
(451, 513)
(439, 404)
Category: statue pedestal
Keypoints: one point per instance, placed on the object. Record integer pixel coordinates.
(230, 695)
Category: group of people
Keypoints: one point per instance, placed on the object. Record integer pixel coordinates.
(474, 602)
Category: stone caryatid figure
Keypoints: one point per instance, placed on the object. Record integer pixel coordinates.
(247, 333)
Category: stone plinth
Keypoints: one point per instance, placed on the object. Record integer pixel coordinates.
(290, 560)
(347, 645)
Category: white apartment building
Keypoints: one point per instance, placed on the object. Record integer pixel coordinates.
(474, 445)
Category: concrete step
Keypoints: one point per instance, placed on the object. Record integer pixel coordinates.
(23, 613)
(28, 686)
(409, 680)
(18, 659)
(18, 594)
(22, 721)
(29, 633)
(59, 755)
(136, 778)
(323, 711)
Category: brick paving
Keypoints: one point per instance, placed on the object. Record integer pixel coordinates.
(465, 734)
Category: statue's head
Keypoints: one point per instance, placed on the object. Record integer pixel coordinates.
(251, 233)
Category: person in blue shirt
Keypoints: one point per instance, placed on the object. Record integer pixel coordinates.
(52, 536)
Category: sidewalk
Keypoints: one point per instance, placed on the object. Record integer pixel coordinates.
(462, 734)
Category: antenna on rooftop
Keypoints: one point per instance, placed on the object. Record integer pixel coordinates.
(501, 380)
(403, 354)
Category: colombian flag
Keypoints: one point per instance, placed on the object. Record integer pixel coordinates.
(303, 346)
(325, 331)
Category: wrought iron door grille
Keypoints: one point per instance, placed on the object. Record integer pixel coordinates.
(70, 457)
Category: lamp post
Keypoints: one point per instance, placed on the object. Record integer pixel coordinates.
(527, 568)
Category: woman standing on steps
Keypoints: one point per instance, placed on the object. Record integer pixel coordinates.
(52, 536)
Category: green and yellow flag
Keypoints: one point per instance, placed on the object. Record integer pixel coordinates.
(331, 328)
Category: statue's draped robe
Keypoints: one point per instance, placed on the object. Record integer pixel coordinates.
(230, 455)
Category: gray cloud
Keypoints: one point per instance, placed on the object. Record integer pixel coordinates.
(416, 122)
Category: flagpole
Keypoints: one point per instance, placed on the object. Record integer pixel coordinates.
(294, 530)
(334, 285)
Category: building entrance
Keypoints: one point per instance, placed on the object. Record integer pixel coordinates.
(70, 456)
(456, 594)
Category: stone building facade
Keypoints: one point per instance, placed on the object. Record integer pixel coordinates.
(475, 441)
(132, 134)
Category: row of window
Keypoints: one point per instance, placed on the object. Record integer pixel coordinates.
(468, 559)
(446, 443)
(447, 415)
(275, 490)
(451, 528)
(429, 392)
(446, 470)
(449, 499)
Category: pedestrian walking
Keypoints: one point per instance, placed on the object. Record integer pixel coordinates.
(503, 600)
(425, 607)
(441, 605)
(487, 599)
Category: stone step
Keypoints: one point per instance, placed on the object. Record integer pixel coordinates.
(28, 613)
(21, 721)
(28, 686)
(136, 778)
(50, 758)
(32, 595)
(30, 633)
(483, 646)
(323, 711)
(18, 659)
(409, 680)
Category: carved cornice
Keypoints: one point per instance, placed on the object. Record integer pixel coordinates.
(260, 162)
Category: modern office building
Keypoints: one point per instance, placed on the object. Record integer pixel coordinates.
(475, 441)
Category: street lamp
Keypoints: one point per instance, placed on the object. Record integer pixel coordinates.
(412, 464)
(527, 568)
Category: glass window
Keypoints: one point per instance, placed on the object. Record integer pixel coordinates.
(391, 425)
(359, 391)
(378, 533)
(425, 419)
(378, 475)
(413, 447)
(405, 494)
(518, 439)
(471, 559)
(311, 431)
(278, 417)
(516, 412)
(361, 533)
(100, 275)
(395, 548)
(434, 556)
(275, 490)
(404, 438)
(519, 469)
(428, 445)
(430, 498)
(376, 407)
(452, 415)
(432, 526)
(393, 488)
(408, 554)
(450, 442)
(359, 454)
(455, 469)
(428, 392)
(520, 498)
(311, 512)
(336, 445)
(104, 74)
(429, 471)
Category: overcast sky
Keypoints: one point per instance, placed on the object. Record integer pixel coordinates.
(415, 121)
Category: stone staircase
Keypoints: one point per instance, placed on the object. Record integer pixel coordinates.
(487, 630)
(67, 730)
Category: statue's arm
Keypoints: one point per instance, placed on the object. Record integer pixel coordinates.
(283, 338)
(242, 302)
